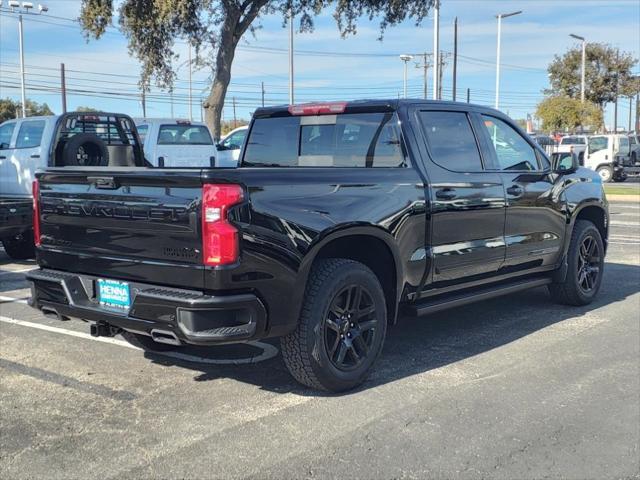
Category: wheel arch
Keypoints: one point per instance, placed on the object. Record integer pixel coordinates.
(367, 244)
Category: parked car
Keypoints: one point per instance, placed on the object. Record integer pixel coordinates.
(176, 143)
(603, 152)
(33, 143)
(574, 143)
(230, 146)
(340, 216)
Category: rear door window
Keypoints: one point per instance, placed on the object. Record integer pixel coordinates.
(184, 135)
(6, 132)
(451, 140)
(346, 140)
(142, 132)
(235, 140)
(30, 134)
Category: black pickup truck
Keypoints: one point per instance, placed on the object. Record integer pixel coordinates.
(342, 217)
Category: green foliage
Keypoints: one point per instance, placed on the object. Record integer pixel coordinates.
(10, 109)
(86, 109)
(605, 67)
(564, 113)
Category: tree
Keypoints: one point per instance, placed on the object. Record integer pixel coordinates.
(215, 27)
(86, 109)
(10, 109)
(564, 113)
(608, 72)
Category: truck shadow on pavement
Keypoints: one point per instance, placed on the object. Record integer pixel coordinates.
(419, 345)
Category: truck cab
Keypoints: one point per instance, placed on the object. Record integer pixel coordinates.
(601, 154)
(176, 143)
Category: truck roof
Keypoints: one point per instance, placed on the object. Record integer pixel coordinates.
(368, 105)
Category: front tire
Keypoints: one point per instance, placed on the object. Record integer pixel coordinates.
(21, 247)
(606, 174)
(585, 260)
(341, 329)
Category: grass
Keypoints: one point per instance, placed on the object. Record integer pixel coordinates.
(617, 190)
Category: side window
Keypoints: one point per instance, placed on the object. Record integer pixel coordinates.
(30, 134)
(513, 152)
(6, 132)
(598, 143)
(451, 140)
(142, 132)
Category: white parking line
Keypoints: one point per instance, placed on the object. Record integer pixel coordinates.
(12, 299)
(22, 270)
(268, 351)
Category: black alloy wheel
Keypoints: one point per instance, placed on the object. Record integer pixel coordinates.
(588, 264)
(350, 327)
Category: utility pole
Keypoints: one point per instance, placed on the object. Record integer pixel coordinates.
(235, 122)
(262, 91)
(171, 97)
(291, 90)
(22, 92)
(630, 109)
(436, 48)
(468, 95)
(144, 104)
(63, 88)
(455, 56)
(425, 69)
(441, 70)
(190, 93)
(637, 113)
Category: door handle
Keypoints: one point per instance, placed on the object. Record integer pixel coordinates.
(515, 190)
(2, 157)
(446, 194)
(35, 155)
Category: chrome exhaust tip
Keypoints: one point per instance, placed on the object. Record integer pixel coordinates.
(165, 336)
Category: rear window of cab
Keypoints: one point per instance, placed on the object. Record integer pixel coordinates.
(342, 140)
(184, 135)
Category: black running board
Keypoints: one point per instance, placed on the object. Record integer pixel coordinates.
(427, 306)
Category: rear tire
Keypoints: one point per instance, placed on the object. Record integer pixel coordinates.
(147, 343)
(585, 260)
(341, 329)
(21, 247)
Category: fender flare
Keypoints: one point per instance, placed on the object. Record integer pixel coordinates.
(341, 231)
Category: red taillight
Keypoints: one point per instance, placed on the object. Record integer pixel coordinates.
(36, 212)
(317, 108)
(220, 242)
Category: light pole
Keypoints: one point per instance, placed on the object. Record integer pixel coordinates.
(406, 59)
(436, 49)
(26, 6)
(584, 61)
(500, 17)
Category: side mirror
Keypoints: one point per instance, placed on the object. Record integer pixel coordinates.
(220, 147)
(564, 162)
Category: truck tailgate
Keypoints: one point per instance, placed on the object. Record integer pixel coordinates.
(134, 224)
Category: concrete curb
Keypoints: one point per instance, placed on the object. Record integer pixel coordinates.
(624, 198)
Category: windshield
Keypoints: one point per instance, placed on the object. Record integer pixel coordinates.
(184, 135)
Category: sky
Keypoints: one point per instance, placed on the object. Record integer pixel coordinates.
(101, 73)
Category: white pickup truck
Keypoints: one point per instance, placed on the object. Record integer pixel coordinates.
(179, 143)
(574, 144)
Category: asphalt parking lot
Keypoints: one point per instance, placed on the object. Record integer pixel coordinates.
(515, 387)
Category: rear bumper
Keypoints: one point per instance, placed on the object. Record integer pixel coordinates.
(193, 318)
(16, 216)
